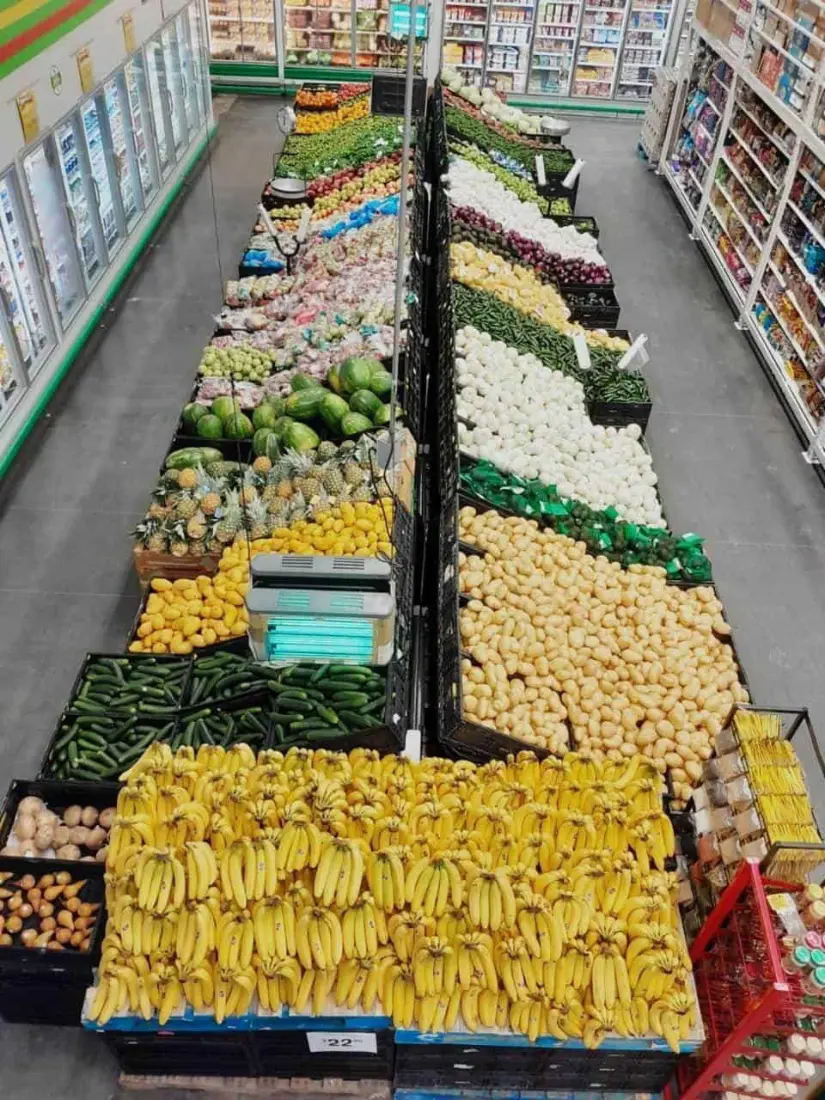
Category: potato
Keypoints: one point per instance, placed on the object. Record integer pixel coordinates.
(30, 805)
(89, 817)
(68, 851)
(25, 826)
(73, 815)
(106, 818)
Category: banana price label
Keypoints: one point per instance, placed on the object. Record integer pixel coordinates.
(350, 1042)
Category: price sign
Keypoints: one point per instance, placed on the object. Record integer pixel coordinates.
(540, 176)
(582, 350)
(636, 355)
(352, 1042)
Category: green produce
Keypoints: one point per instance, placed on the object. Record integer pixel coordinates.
(192, 456)
(300, 437)
(315, 702)
(381, 383)
(210, 427)
(365, 402)
(238, 426)
(383, 416)
(334, 378)
(354, 423)
(222, 727)
(474, 131)
(560, 206)
(272, 402)
(603, 532)
(304, 404)
(191, 414)
(503, 322)
(522, 189)
(102, 746)
(264, 416)
(222, 676)
(137, 685)
(265, 444)
(224, 407)
(356, 374)
(301, 381)
(282, 426)
(309, 156)
(243, 363)
(332, 409)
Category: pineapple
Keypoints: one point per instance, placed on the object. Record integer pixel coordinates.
(363, 492)
(262, 464)
(171, 478)
(230, 518)
(196, 527)
(197, 549)
(150, 533)
(278, 507)
(269, 493)
(188, 478)
(179, 549)
(326, 451)
(316, 471)
(333, 480)
(185, 506)
(224, 468)
(158, 542)
(347, 447)
(285, 489)
(209, 492)
(298, 507)
(258, 520)
(249, 492)
(308, 487)
(156, 510)
(353, 472)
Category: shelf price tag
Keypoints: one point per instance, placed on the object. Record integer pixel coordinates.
(582, 350)
(540, 176)
(573, 174)
(353, 1042)
(303, 226)
(636, 355)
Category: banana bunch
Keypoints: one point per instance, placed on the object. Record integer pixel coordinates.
(524, 895)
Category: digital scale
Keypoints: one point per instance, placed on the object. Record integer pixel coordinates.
(307, 608)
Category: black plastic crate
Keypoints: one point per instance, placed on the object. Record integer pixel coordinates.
(287, 1054)
(388, 94)
(165, 727)
(42, 986)
(473, 1066)
(58, 795)
(183, 1054)
(583, 222)
(592, 306)
(126, 661)
(619, 414)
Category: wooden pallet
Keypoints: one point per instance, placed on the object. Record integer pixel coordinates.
(236, 1088)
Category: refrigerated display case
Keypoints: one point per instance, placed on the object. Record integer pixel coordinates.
(243, 30)
(465, 34)
(77, 204)
(24, 302)
(321, 33)
(554, 47)
(509, 35)
(644, 48)
(600, 44)
(57, 240)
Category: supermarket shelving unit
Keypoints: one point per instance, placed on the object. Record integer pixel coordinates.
(747, 168)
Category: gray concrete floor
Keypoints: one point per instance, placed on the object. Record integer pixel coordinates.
(728, 460)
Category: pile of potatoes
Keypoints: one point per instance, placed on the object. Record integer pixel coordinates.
(78, 832)
(631, 663)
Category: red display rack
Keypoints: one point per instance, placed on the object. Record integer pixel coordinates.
(741, 986)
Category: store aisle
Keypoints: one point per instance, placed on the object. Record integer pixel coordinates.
(67, 585)
(728, 460)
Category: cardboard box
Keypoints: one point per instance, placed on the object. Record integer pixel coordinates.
(722, 21)
(704, 9)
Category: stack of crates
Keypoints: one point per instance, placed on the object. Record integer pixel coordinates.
(657, 113)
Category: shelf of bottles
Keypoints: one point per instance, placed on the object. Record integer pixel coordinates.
(242, 30)
(699, 129)
(554, 47)
(645, 42)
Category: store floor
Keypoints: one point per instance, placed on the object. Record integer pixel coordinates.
(728, 460)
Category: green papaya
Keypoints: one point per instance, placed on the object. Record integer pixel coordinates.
(354, 423)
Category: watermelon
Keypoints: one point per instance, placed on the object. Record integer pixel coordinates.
(356, 374)
(264, 441)
(381, 416)
(300, 437)
(365, 402)
(210, 427)
(225, 406)
(381, 383)
(282, 425)
(334, 378)
(192, 456)
(302, 382)
(332, 409)
(354, 423)
(191, 415)
(238, 426)
(276, 403)
(264, 417)
(304, 404)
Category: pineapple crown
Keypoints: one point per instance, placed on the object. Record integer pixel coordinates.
(256, 513)
(231, 507)
(207, 483)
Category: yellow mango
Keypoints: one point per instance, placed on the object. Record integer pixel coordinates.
(136, 647)
(180, 646)
(144, 630)
(159, 647)
(222, 630)
(238, 628)
(230, 614)
(154, 603)
(191, 624)
(197, 640)
(167, 635)
(209, 635)
(203, 583)
(157, 622)
(160, 584)
(181, 584)
(194, 607)
(235, 599)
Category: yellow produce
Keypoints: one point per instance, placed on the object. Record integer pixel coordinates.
(526, 896)
(553, 634)
(519, 287)
(185, 614)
